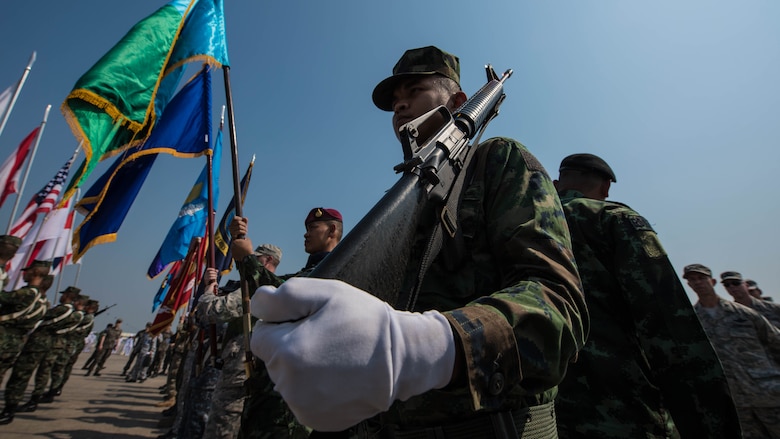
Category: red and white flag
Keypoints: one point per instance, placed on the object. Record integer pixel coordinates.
(11, 169)
(42, 202)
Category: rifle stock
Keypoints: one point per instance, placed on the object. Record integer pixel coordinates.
(374, 255)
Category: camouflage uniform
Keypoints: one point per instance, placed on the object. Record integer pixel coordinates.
(224, 418)
(749, 349)
(20, 311)
(265, 415)
(771, 311)
(109, 343)
(60, 350)
(74, 345)
(647, 365)
(514, 301)
(34, 352)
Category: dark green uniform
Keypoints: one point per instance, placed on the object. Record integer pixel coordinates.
(648, 369)
(20, 311)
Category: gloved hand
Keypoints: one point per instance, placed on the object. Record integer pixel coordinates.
(339, 355)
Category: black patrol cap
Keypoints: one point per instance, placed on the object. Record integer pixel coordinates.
(587, 162)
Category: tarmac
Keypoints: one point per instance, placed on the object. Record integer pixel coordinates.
(93, 407)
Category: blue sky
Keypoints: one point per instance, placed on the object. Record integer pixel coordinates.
(681, 98)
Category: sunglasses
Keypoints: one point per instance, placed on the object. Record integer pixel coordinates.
(731, 283)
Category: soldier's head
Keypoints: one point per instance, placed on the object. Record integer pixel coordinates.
(586, 173)
(69, 295)
(269, 256)
(92, 306)
(9, 244)
(35, 273)
(46, 283)
(80, 303)
(735, 285)
(118, 323)
(753, 288)
(324, 228)
(699, 279)
(422, 79)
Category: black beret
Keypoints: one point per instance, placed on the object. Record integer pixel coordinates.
(588, 162)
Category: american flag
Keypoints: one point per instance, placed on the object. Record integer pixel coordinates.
(43, 201)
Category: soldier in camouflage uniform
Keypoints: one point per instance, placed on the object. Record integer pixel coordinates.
(493, 328)
(749, 349)
(106, 346)
(224, 418)
(57, 322)
(21, 310)
(647, 364)
(9, 244)
(738, 289)
(324, 230)
(74, 344)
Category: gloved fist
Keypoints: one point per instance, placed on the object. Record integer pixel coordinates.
(339, 355)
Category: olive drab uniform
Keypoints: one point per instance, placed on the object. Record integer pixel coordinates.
(20, 311)
(647, 364)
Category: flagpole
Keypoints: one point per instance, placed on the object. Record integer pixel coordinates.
(212, 259)
(16, 92)
(62, 268)
(245, 298)
(29, 165)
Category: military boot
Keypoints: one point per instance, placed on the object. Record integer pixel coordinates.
(31, 405)
(47, 397)
(7, 415)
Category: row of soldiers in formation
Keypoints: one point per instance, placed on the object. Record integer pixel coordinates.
(566, 316)
(559, 287)
(36, 337)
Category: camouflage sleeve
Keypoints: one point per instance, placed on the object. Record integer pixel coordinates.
(256, 275)
(527, 332)
(221, 308)
(681, 360)
(768, 335)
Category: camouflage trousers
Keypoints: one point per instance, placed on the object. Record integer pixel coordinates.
(759, 422)
(11, 342)
(265, 414)
(23, 369)
(227, 401)
(43, 373)
(199, 402)
(64, 363)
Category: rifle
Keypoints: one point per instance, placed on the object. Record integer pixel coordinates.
(389, 232)
(104, 310)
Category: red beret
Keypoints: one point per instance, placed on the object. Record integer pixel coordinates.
(323, 214)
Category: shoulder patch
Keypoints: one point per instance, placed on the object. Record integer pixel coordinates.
(531, 161)
(639, 223)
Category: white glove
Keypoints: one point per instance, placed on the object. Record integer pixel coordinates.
(339, 355)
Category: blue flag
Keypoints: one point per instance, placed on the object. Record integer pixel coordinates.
(223, 258)
(117, 102)
(184, 130)
(192, 218)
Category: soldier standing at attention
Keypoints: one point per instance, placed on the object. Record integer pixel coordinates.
(9, 244)
(749, 349)
(738, 289)
(481, 352)
(324, 230)
(20, 311)
(50, 336)
(647, 364)
(74, 344)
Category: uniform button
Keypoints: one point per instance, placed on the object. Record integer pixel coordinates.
(496, 385)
